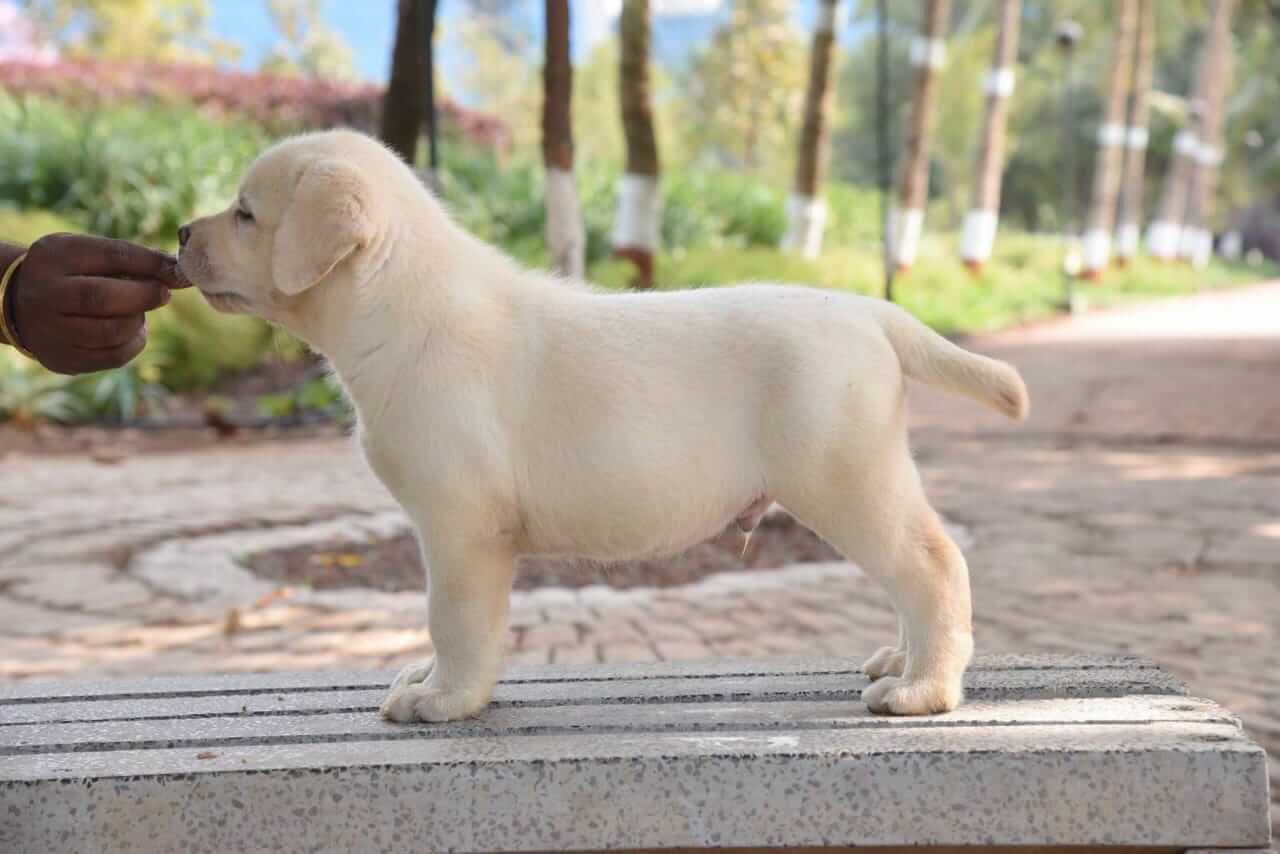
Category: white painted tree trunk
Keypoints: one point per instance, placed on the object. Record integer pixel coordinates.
(806, 220)
(566, 237)
(638, 224)
(1135, 142)
(979, 233)
(904, 233)
(1196, 243)
(1109, 158)
(806, 212)
(928, 55)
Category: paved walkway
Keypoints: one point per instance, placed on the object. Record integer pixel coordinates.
(1138, 511)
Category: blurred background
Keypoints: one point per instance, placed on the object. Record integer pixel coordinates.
(1091, 190)
(127, 117)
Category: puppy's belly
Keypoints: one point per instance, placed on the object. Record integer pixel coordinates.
(625, 530)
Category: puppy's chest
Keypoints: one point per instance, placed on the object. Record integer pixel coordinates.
(388, 463)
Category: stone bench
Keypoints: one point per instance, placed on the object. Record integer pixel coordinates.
(1047, 752)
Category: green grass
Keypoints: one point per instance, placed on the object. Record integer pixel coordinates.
(25, 227)
(1022, 281)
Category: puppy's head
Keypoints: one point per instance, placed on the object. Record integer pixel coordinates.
(304, 223)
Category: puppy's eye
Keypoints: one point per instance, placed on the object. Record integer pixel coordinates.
(243, 215)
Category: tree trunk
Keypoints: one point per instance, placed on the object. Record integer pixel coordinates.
(639, 216)
(1136, 134)
(404, 103)
(565, 236)
(1165, 230)
(979, 231)
(1096, 250)
(928, 52)
(806, 211)
(1196, 243)
(433, 129)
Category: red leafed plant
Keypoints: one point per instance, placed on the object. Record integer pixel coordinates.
(278, 101)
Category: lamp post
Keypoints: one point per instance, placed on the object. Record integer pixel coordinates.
(1066, 37)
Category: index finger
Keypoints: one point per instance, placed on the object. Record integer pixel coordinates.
(98, 296)
(102, 256)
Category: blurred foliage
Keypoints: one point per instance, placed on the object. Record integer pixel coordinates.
(320, 396)
(127, 171)
(307, 44)
(131, 29)
(137, 167)
(745, 88)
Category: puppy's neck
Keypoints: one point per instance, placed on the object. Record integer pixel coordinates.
(434, 299)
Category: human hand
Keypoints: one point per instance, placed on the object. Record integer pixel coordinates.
(77, 303)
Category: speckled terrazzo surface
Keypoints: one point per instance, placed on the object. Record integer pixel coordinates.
(1081, 751)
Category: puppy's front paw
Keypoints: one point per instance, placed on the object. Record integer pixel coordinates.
(417, 702)
(413, 674)
(888, 661)
(894, 695)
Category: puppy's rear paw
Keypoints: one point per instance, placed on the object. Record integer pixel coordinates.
(887, 661)
(894, 695)
(416, 702)
(413, 674)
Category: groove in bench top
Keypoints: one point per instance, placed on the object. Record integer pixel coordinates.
(595, 719)
(979, 685)
(38, 690)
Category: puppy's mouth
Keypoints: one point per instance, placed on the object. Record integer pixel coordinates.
(226, 301)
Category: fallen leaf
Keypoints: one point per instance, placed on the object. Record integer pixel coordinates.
(206, 754)
(271, 596)
(232, 623)
(107, 454)
(349, 560)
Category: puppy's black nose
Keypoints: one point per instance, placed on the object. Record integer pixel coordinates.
(184, 232)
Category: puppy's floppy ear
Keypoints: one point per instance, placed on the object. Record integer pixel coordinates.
(327, 219)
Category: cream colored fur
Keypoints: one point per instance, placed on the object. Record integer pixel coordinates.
(512, 413)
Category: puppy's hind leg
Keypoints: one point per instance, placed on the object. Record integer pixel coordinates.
(884, 524)
(468, 595)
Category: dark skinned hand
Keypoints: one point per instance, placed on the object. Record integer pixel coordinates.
(78, 303)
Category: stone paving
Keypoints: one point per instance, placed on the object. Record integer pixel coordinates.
(1139, 511)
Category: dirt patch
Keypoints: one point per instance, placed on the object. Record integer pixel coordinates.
(394, 564)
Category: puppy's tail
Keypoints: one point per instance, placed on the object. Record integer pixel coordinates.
(928, 357)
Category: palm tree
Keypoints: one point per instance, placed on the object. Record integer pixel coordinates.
(980, 222)
(639, 215)
(565, 236)
(1096, 250)
(1136, 137)
(927, 54)
(806, 212)
(411, 91)
(1196, 244)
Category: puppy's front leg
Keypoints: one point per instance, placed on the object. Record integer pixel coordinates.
(468, 594)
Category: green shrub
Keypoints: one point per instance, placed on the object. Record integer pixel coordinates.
(191, 346)
(131, 171)
(1021, 282)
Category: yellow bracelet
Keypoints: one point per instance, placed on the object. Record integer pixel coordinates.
(9, 332)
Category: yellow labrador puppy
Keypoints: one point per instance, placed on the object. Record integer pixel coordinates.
(513, 413)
